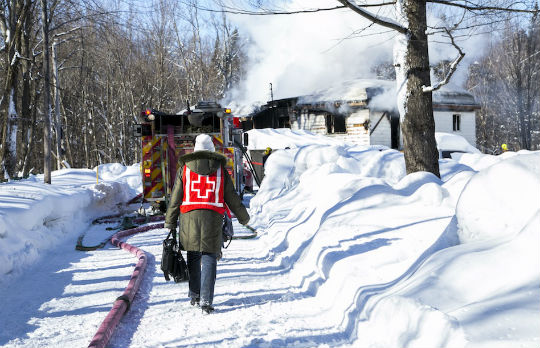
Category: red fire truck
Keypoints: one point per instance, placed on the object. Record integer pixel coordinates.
(165, 137)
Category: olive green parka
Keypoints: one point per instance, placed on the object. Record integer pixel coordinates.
(201, 229)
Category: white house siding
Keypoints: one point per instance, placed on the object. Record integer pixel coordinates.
(354, 123)
(310, 122)
(444, 123)
(356, 133)
(382, 135)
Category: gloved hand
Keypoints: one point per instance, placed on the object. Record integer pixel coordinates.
(173, 234)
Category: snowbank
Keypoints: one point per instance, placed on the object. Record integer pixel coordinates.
(313, 164)
(317, 202)
(490, 284)
(34, 217)
(494, 204)
(454, 142)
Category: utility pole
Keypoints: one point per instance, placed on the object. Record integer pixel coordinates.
(46, 95)
(272, 105)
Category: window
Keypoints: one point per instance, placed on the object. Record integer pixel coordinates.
(456, 122)
(335, 124)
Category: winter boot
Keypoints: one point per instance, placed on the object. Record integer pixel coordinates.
(195, 301)
(207, 309)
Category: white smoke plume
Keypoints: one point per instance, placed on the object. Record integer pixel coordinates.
(303, 53)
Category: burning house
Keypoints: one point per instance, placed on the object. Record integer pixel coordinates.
(364, 112)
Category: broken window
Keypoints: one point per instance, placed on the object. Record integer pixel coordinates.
(335, 124)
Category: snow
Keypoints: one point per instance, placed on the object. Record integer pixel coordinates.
(454, 142)
(35, 217)
(401, 44)
(350, 252)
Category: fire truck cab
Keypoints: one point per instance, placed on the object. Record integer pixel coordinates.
(165, 137)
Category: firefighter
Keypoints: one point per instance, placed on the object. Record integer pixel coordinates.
(266, 154)
(201, 190)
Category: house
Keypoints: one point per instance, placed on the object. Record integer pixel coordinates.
(364, 112)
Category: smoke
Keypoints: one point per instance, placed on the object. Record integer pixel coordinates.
(302, 53)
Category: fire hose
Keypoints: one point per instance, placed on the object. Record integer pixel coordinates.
(123, 302)
(127, 223)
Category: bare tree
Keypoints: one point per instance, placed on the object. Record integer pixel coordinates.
(106, 65)
(46, 94)
(14, 15)
(506, 83)
(228, 58)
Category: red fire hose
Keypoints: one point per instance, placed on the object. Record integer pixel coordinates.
(123, 302)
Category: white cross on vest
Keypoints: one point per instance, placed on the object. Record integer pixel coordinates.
(203, 191)
(205, 184)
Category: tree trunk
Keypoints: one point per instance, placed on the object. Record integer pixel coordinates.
(46, 95)
(67, 137)
(58, 119)
(15, 22)
(86, 142)
(412, 73)
(26, 99)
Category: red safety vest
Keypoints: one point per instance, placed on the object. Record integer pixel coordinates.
(203, 191)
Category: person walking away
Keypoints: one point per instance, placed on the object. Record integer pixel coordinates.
(201, 189)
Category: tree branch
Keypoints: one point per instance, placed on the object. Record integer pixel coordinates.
(274, 12)
(453, 66)
(78, 18)
(480, 8)
(55, 36)
(265, 13)
(385, 22)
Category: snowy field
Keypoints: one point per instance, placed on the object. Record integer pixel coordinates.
(351, 252)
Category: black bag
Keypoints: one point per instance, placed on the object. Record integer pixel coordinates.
(172, 261)
(227, 230)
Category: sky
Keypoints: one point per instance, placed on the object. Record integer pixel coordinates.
(350, 252)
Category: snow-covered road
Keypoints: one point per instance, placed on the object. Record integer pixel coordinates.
(260, 300)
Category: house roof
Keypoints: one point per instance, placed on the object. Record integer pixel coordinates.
(381, 94)
(375, 94)
(450, 96)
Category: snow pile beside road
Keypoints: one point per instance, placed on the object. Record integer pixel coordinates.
(34, 217)
(517, 201)
(287, 168)
(489, 284)
(323, 212)
(338, 220)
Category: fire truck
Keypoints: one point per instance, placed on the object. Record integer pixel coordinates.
(165, 137)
